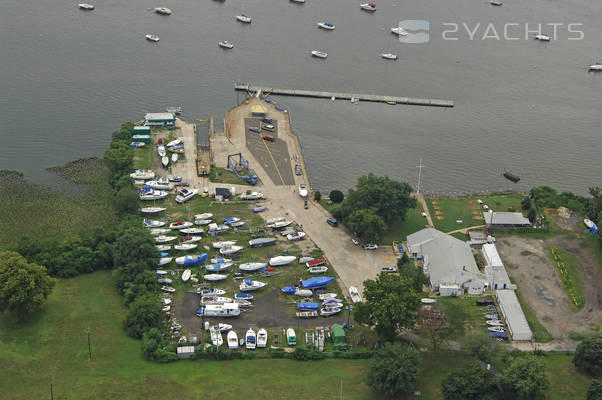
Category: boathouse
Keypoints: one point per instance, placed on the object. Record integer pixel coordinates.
(159, 119)
(505, 220)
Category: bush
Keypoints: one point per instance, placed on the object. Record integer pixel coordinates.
(595, 390)
(588, 356)
(165, 356)
(394, 370)
(317, 195)
(143, 314)
(306, 353)
(353, 355)
(336, 196)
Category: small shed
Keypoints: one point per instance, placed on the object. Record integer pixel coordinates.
(258, 110)
(141, 130)
(338, 337)
(141, 138)
(185, 352)
(224, 192)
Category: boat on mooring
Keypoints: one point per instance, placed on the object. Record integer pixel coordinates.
(368, 7)
(225, 44)
(244, 18)
(399, 31)
(152, 38)
(86, 6)
(326, 25)
(389, 56)
(163, 10)
(319, 54)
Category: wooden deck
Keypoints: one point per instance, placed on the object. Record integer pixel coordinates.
(343, 96)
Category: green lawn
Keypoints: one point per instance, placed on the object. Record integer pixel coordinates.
(445, 211)
(142, 156)
(566, 381)
(463, 315)
(223, 175)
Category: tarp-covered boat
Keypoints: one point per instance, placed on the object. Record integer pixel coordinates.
(317, 281)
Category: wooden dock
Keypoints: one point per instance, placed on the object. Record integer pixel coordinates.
(343, 96)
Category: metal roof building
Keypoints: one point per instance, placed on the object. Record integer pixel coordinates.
(517, 324)
(448, 262)
(495, 270)
(159, 119)
(505, 219)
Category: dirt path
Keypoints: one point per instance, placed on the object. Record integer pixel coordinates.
(527, 260)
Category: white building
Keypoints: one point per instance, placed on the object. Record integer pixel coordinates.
(495, 270)
(448, 263)
(518, 327)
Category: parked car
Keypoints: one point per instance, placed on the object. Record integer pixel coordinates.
(267, 127)
(390, 270)
(268, 137)
(267, 120)
(254, 129)
(332, 221)
(370, 246)
(298, 170)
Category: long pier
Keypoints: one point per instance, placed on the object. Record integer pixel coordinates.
(344, 96)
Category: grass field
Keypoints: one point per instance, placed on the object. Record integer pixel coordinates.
(566, 265)
(445, 211)
(223, 175)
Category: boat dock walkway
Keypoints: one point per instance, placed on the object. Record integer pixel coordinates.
(343, 96)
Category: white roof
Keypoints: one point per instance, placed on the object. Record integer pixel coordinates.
(491, 255)
(159, 116)
(505, 218)
(513, 314)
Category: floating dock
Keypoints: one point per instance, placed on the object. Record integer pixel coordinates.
(343, 96)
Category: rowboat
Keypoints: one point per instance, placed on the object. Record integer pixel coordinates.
(186, 275)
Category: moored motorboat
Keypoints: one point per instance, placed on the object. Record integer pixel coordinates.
(244, 18)
(389, 56)
(86, 6)
(495, 2)
(163, 10)
(319, 54)
(225, 44)
(326, 25)
(151, 37)
(368, 7)
(399, 31)
(281, 260)
(594, 67)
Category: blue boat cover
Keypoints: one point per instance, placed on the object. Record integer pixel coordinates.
(279, 108)
(308, 306)
(502, 335)
(194, 260)
(248, 282)
(289, 289)
(199, 311)
(268, 100)
(164, 254)
(229, 219)
(317, 282)
(221, 260)
(243, 296)
(147, 220)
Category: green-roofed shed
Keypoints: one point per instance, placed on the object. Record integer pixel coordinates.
(338, 337)
(142, 130)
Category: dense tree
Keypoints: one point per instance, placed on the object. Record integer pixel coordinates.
(152, 340)
(408, 270)
(480, 346)
(24, 287)
(119, 159)
(532, 215)
(317, 195)
(124, 133)
(135, 246)
(588, 356)
(367, 225)
(390, 199)
(394, 370)
(525, 203)
(143, 314)
(336, 196)
(525, 378)
(390, 303)
(471, 382)
(126, 200)
(595, 390)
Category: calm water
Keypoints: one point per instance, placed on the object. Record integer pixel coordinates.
(68, 78)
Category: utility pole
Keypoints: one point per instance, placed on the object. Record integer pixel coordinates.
(419, 176)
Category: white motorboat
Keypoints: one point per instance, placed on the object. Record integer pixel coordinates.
(162, 184)
(212, 292)
(252, 266)
(174, 110)
(164, 261)
(220, 260)
(165, 239)
(176, 149)
(185, 246)
(303, 292)
(216, 337)
(303, 190)
(180, 225)
(221, 327)
(272, 221)
(389, 56)
(356, 297)
(291, 338)
(232, 339)
(250, 195)
(495, 323)
(186, 275)
(152, 210)
(326, 25)
(159, 231)
(426, 300)
(148, 223)
(226, 243)
(399, 31)
(165, 161)
(190, 239)
(215, 277)
(167, 289)
(279, 225)
(202, 222)
(237, 224)
(325, 296)
(319, 54)
(328, 311)
(281, 260)
(221, 310)
(153, 195)
(151, 37)
(250, 340)
(317, 270)
(244, 18)
(248, 285)
(175, 179)
(161, 151)
(543, 38)
(163, 10)
(227, 250)
(163, 247)
(142, 174)
(298, 1)
(185, 195)
(218, 267)
(262, 338)
(589, 223)
(86, 6)
(333, 302)
(203, 216)
(166, 301)
(205, 300)
(496, 329)
(192, 231)
(594, 67)
(368, 7)
(295, 236)
(225, 44)
(174, 158)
